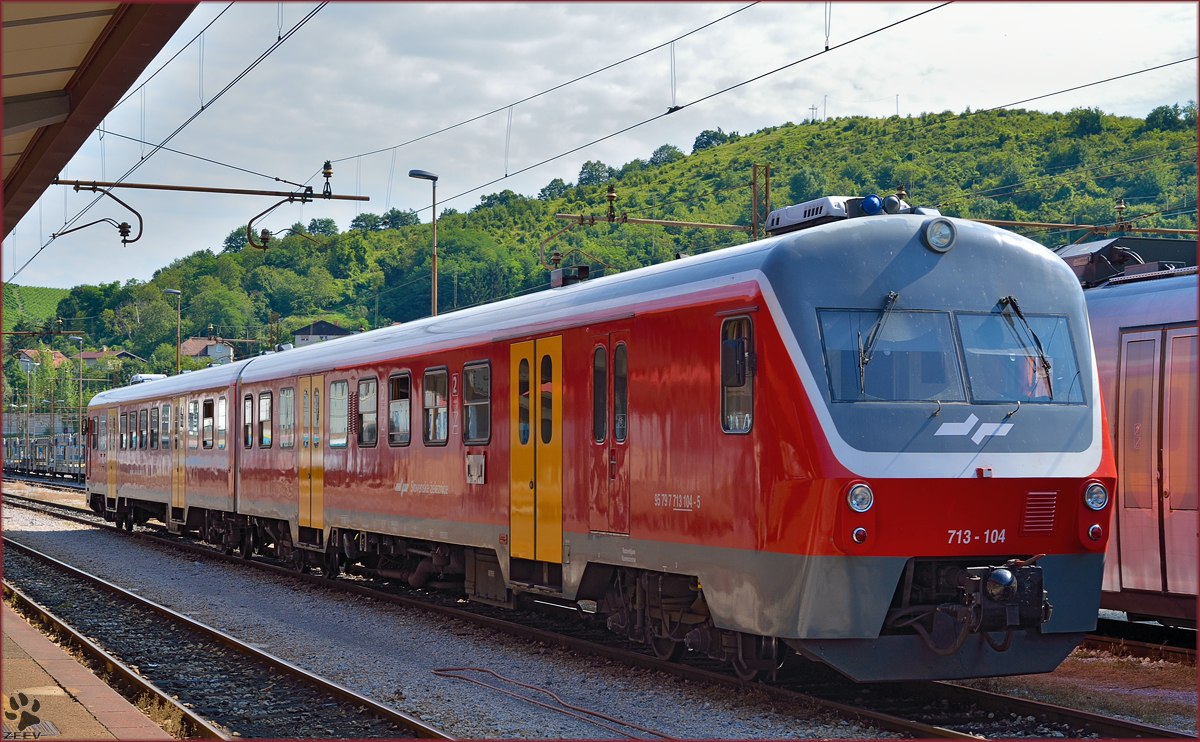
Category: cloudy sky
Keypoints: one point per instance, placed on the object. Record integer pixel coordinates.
(359, 77)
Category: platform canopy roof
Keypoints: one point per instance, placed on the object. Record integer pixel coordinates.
(65, 66)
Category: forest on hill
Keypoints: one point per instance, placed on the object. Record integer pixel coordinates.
(999, 164)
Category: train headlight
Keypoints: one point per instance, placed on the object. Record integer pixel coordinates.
(939, 235)
(1001, 585)
(860, 498)
(1095, 496)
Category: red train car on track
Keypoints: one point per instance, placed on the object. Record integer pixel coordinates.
(875, 439)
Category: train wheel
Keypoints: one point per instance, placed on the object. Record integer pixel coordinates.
(744, 672)
(329, 565)
(247, 543)
(667, 649)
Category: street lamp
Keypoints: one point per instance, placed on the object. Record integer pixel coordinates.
(178, 297)
(426, 175)
(79, 423)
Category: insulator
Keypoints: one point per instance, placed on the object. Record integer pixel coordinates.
(265, 236)
(327, 170)
(124, 229)
(612, 193)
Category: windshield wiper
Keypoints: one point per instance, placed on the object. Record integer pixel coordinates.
(864, 356)
(1011, 301)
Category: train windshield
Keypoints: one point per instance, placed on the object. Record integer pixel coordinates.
(913, 359)
(1006, 358)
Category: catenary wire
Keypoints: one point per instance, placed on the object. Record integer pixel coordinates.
(172, 59)
(182, 126)
(548, 90)
(205, 159)
(692, 103)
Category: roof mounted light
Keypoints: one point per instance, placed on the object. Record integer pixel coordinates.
(871, 205)
(939, 235)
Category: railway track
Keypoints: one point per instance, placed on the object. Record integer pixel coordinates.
(920, 709)
(227, 687)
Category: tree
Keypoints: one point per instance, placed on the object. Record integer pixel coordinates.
(709, 138)
(806, 184)
(325, 227)
(366, 222)
(665, 155)
(1086, 121)
(236, 240)
(395, 219)
(554, 189)
(593, 172)
(1164, 118)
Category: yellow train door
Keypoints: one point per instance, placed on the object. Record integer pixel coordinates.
(312, 455)
(535, 485)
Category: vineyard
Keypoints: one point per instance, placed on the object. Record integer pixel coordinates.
(35, 303)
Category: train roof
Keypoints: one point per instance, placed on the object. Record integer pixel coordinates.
(594, 301)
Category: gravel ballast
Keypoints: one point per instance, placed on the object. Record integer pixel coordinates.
(387, 651)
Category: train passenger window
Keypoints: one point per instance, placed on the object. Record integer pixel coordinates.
(222, 422)
(523, 405)
(264, 420)
(124, 427)
(436, 411)
(339, 414)
(208, 423)
(248, 422)
(193, 424)
(546, 403)
(399, 409)
(165, 443)
(1181, 407)
(287, 418)
(95, 434)
(620, 393)
(368, 412)
(142, 425)
(477, 407)
(154, 428)
(1004, 363)
(600, 394)
(737, 399)
(104, 432)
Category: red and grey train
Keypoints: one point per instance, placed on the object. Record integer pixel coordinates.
(1142, 304)
(874, 438)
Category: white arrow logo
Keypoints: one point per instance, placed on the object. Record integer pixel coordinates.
(965, 428)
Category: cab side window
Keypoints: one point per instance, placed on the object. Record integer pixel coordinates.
(737, 375)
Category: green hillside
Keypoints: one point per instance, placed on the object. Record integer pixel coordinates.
(34, 303)
(1004, 164)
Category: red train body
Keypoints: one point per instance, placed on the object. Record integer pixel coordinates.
(668, 446)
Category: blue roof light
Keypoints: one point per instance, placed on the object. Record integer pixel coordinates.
(871, 204)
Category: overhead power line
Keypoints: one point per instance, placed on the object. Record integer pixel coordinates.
(307, 17)
(549, 90)
(710, 96)
(173, 57)
(205, 159)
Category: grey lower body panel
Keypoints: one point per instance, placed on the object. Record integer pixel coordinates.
(904, 658)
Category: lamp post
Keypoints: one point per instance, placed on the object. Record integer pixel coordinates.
(178, 297)
(426, 175)
(79, 422)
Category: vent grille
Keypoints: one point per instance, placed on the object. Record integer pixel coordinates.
(1038, 519)
(813, 211)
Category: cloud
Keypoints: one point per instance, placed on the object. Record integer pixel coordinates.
(363, 76)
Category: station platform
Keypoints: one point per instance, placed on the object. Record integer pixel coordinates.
(71, 702)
